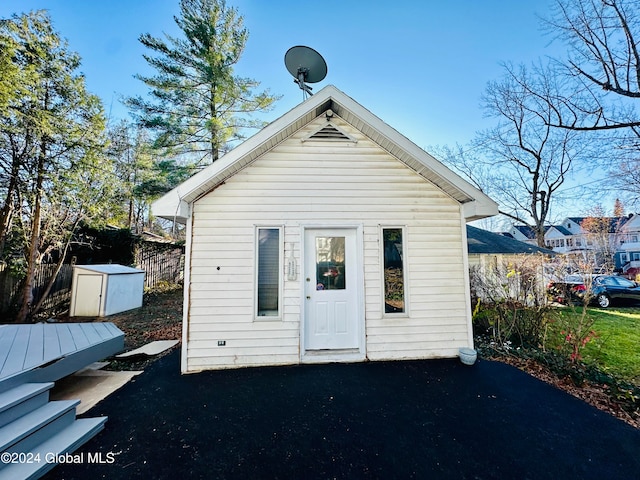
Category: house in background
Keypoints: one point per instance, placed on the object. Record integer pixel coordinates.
(619, 239)
(327, 236)
(492, 256)
(627, 256)
(522, 233)
(489, 248)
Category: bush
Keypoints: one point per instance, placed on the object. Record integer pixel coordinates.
(511, 306)
(512, 324)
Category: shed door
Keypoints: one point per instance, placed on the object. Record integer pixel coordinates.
(88, 295)
(331, 289)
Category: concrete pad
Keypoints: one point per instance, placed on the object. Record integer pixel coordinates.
(90, 386)
(94, 366)
(150, 349)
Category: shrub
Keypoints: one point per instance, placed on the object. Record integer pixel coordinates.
(511, 305)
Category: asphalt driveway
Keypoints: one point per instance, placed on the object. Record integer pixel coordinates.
(433, 419)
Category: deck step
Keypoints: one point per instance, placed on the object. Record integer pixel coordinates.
(21, 400)
(65, 441)
(36, 426)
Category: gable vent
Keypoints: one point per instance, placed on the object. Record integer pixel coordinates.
(331, 133)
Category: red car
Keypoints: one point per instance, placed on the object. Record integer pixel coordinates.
(571, 289)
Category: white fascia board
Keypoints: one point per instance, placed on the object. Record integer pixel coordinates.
(171, 207)
(477, 210)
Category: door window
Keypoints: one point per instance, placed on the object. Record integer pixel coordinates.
(330, 263)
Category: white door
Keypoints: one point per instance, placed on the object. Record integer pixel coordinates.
(88, 295)
(331, 287)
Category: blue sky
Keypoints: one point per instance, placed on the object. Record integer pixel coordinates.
(419, 65)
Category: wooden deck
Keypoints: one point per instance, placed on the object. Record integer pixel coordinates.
(47, 352)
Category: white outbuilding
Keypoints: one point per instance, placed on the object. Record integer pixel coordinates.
(102, 290)
(327, 236)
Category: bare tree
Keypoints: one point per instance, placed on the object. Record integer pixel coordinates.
(602, 66)
(523, 162)
(602, 234)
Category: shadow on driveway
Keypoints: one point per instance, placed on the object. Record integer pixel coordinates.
(414, 419)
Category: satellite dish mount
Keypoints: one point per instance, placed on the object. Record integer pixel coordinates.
(307, 66)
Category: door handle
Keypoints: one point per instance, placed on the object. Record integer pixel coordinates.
(308, 297)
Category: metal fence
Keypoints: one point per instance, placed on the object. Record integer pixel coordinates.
(59, 295)
(162, 262)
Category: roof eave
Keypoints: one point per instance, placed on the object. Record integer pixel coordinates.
(174, 204)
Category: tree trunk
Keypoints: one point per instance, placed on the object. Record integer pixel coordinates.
(52, 280)
(7, 209)
(34, 242)
(130, 221)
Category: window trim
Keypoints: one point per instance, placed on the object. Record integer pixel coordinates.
(405, 275)
(256, 237)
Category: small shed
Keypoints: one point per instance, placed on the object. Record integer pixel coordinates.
(326, 237)
(102, 290)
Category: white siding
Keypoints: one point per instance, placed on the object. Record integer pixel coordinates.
(324, 183)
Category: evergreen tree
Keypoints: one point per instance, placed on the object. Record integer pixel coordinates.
(141, 177)
(51, 144)
(197, 104)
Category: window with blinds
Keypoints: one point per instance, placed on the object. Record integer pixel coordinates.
(269, 266)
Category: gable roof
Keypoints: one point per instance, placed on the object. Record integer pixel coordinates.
(614, 223)
(174, 204)
(483, 241)
(526, 231)
(559, 228)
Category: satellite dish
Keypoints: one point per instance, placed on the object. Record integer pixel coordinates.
(306, 65)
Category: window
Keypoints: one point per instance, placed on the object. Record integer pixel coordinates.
(624, 282)
(330, 264)
(269, 261)
(394, 272)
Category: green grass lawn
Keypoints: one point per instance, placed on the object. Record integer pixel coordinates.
(616, 349)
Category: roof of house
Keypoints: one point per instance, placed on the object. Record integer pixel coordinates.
(526, 231)
(175, 204)
(483, 241)
(561, 229)
(614, 222)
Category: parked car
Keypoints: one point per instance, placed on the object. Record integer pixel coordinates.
(569, 289)
(604, 289)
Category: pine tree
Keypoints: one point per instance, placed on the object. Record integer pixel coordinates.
(51, 143)
(197, 104)
(618, 208)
